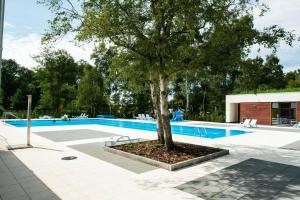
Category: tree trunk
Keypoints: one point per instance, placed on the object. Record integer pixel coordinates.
(203, 100)
(187, 96)
(163, 83)
(156, 108)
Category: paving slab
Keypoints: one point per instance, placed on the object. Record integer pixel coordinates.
(20, 182)
(96, 150)
(250, 179)
(293, 146)
(71, 135)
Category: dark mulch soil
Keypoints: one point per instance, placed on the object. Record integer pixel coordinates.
(156, 151)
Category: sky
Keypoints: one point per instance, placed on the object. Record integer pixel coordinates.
(25, 21)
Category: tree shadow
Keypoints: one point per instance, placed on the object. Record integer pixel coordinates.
(17, 181)
(250, 179)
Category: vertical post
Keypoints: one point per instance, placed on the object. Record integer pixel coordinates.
(2, 5)
(29, 119)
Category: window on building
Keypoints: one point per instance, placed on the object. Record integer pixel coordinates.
(283, 113)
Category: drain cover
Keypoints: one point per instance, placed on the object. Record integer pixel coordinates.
(69, 158)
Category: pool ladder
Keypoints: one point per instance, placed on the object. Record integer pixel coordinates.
(202, 132)
(5, 114)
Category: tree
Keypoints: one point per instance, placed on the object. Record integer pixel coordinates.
(273, 73)
(16, 84)
(250, 75)
(294, 83)
(257, 74)
(58, 76)
(91, 91)
(291, 76)
(167, 35)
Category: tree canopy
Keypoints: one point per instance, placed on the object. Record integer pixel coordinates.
(162, 49)
(169, 36)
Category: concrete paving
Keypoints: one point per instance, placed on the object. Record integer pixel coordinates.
(237, 125)
(91, 178)
(250, 179)
(17, 182)
(293, 146)
(278, 129)
(70, 135)
(210, 124)
(96, 150)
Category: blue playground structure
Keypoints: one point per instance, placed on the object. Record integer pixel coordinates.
(177, 116)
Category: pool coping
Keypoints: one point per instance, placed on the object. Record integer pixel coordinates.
(138, 121)
(170, 167)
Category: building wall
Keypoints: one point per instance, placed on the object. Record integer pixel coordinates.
(298, 112)
(232, 112)
(233, 100)
(264, 97)
(259, 111)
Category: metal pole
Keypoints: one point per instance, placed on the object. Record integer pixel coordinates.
(28, 119)
(2, 6)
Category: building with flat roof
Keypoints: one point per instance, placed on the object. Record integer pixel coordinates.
(282, 108)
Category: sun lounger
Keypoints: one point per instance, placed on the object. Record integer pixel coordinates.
(148, 117)
(253, 123)
(139, 117)
(246, 123)
(143, 117)
(84, 115)
(297, 125)
(45, 117)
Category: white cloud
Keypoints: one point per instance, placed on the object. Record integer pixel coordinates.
(284, 13)
(8, 25)
(22, 49)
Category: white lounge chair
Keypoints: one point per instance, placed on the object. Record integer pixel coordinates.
(148, 117)
(84, 115)
(246, 123)
(45, 117)
(80, 116)
(253, 123)
(297, 125)
(143, 117)
(139, 117)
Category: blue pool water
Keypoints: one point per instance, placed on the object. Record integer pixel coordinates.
(205, 132)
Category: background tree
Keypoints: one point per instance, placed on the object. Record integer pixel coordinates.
(294, 83)
(17, 82)
(58, 76)
(91, 94)
(255, 74)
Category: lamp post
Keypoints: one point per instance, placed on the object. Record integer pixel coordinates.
(28, 144)
(2, 6)
(29, 119)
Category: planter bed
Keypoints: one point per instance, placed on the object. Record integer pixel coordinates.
(153, 153)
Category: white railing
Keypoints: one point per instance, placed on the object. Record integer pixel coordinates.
(5, 114)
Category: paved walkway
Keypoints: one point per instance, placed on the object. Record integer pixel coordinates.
(17, 182)
(293, 146)
(250, 179)
(70, 135)
(96, 150)
(237, 125)
(92, 176)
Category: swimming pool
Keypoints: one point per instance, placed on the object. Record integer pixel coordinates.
(206, 132)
